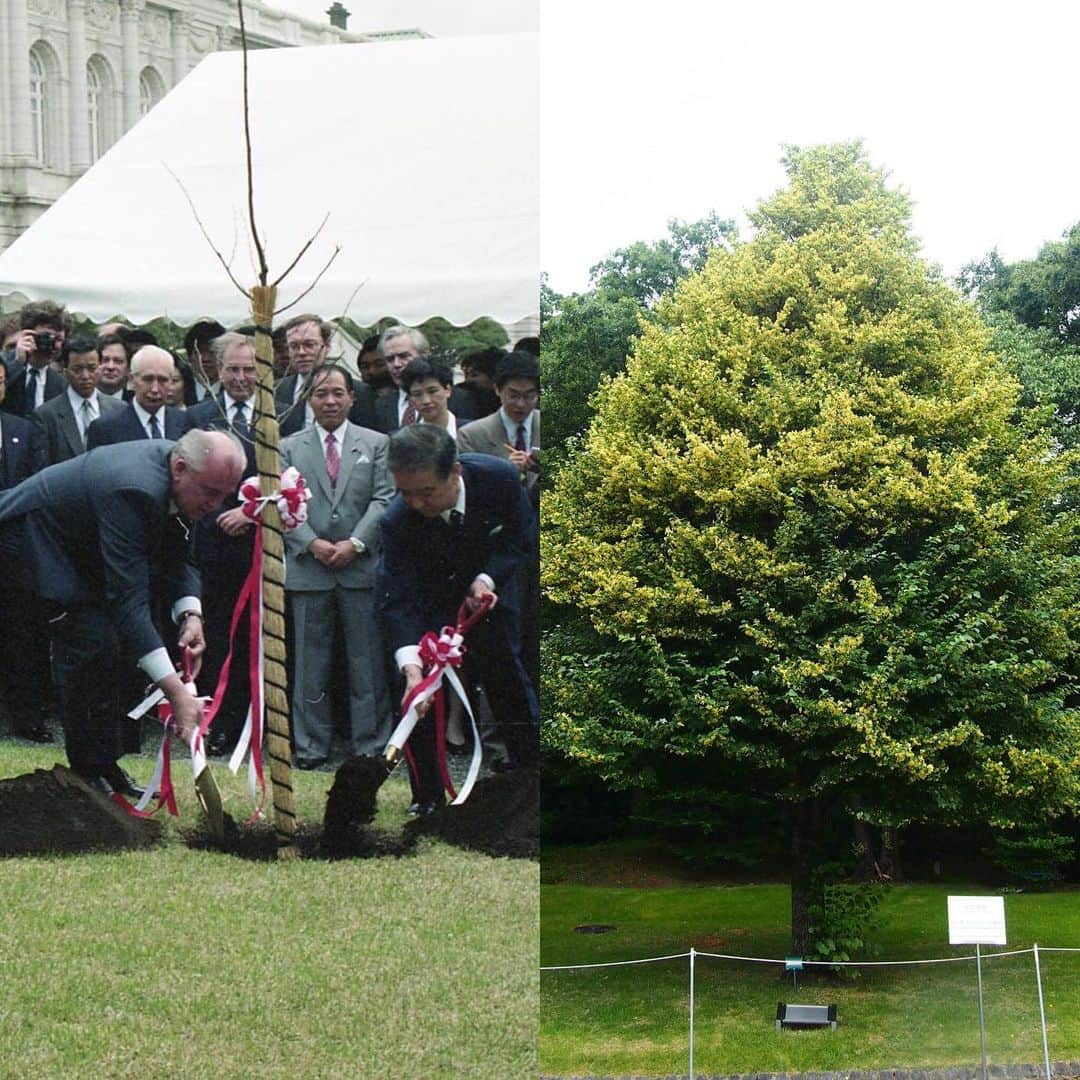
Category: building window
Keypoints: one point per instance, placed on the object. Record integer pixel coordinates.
(39, 125)
(99, 106)
(93, 109)
(151, 90)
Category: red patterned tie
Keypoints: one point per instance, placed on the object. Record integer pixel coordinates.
(409, 415)
(333, 459)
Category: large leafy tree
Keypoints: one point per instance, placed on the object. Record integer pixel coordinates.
(1043, 292)
(587, 335)
(809, 549)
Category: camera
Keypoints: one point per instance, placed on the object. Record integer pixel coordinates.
(45, 343)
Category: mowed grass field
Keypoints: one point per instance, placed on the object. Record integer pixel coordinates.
(190, 963)
(634, 1020)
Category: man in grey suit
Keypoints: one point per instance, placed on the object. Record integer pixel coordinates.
(96, 537)
(330, 570)
(513, 432)
(66, 419)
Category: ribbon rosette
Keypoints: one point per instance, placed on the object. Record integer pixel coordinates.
(291, 498)
(440, 655)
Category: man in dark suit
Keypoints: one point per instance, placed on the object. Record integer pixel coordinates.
(307, 339)
(146, 416)
(31, 381)
(24, 642)
(65, 420)
(97, 536)
(457, 530)
(224, 539)
(331, 571)
(513, 433)
(114, 368)
(399, 346)
(201, 377)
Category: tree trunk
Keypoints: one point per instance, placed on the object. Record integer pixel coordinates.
(890, 854)
(864, 846)
(804, 844)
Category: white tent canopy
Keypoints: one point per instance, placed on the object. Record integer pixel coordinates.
(423, 153)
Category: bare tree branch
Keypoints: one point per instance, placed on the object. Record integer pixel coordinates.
(263, 270)
(352, 297)
(293, 303)
(300, 253)
(206, 235)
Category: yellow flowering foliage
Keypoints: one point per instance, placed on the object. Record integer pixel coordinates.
(810, 544)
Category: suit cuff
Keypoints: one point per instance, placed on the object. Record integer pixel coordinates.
(157, 665)
(488, 581)
(407, 654)
(184, 605)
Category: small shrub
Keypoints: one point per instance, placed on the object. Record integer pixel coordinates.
(841, 923)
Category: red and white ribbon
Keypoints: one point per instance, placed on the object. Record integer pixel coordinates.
(161, 783)
(291, 498)
(439, 656)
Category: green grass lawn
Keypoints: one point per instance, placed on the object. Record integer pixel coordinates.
(634, 1020)
(178, 962)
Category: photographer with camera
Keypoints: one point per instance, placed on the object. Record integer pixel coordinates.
(31, 379)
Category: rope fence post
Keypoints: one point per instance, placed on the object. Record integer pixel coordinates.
(693, 953)
(982, 1021)
(1042, 1012)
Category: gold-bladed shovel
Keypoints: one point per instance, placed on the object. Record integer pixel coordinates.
(206, 788)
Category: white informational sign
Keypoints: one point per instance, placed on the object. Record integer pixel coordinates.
(977, 920)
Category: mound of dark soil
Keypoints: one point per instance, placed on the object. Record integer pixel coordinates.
(501, 817)
(54, 810)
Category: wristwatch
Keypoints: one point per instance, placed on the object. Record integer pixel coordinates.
(358, 545)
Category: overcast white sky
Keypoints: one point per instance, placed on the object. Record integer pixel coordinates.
(658, 110)
(439, 17)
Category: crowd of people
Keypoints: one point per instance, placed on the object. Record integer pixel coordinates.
(424, 499)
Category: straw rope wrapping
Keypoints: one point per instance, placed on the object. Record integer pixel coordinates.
(275, 689)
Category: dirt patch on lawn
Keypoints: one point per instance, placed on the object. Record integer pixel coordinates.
(501, 817)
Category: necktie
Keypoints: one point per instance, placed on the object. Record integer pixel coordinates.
(87, 419)
(409, 415)
(520, 444)
(239, 423)
(155, 427)
(333, 459)
(30, 403)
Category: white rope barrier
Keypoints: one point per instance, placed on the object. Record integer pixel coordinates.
(617, 963)
(805, 963)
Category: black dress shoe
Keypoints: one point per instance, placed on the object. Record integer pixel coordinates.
(122, 782)
(221, 745)
(309, 763)
(100, 785)
(426, 809)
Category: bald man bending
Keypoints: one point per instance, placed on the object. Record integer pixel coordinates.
(96, 537)
(146, 416)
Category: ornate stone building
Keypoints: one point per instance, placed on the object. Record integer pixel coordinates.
(76, 74)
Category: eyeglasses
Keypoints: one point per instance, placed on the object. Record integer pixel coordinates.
(519, 398)
(401, 356)
(304, 346)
